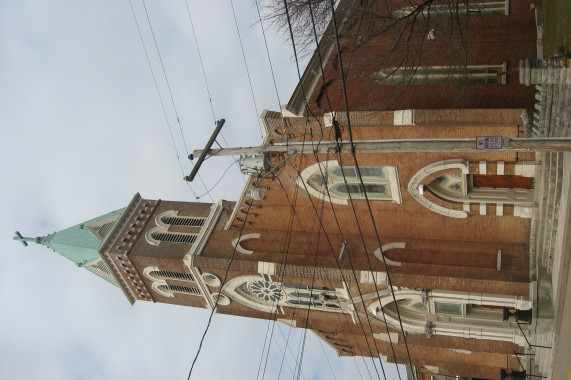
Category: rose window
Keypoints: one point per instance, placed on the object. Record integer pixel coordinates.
(265, 290)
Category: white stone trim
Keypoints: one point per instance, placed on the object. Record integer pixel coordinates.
(525, 168)
(328, 118)
(173, 214)
(207, 229)
(313, 169)
(500, 168)
(394, 337)
(403, 117)
(392, 180)
(266, 268)
(483, 167)
(91, 227)
(380, 278)
(211, 279)
(499, 209)
(147, 273)
(220, 299)
(483, 208)
(393, 176)
(523, 211)
(388, 247)
(198, 280)
(230, 287)
(168, 213)
(432, 368)
(149, 235)
(95, 267)
(155, 286)
(465, 352)
(417, 179)
(236, 242)
(479, 324)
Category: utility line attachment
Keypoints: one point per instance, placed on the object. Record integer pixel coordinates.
(203, 153)
(553, 144)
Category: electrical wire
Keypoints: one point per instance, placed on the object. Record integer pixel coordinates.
(171, 95)
(217, 182)
(221, 287)
(307, 109)
(389, 281)
(246, 66)
(159, 94)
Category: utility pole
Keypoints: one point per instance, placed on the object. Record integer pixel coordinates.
(399, 146)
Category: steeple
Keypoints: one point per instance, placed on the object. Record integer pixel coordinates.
(80, 243)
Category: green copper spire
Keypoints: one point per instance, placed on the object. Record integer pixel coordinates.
(79, 243)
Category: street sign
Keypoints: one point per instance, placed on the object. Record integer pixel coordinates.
(491, 142)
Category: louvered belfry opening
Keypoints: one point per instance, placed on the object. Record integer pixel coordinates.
(103, 230)
(183, 221)
(180, 289)
(172, 275)
(174, 237)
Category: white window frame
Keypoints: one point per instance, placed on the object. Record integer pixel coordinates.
(159, 219)
(442, 74)
(446, 10)
(391, 180)
(231, 289)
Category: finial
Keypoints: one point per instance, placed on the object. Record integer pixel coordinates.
(24, 240)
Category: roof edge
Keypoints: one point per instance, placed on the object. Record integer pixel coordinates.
(111, 237)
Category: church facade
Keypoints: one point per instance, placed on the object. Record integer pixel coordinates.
(404, 255)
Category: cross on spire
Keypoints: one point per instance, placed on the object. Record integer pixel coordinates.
(24, 240)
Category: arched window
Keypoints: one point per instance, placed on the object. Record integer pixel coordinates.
(468, 315)
(512, 189)
(174, 237)
(331, 182)
(180, 289)
(447, 10)
(159, 234)
(442, 74)
(159, 278)
(168, 275)
(183, 221)
(172, 218)
(260, 294)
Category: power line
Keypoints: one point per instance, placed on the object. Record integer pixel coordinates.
(159, 94)
(307, 109)
(337, 262)
(171, 95)
(221, 287)
(389, 281)
(246, 66)
(337, 133)
(165, 74)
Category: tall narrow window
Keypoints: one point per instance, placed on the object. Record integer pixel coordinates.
(442, 74)
(180, 289)
(339, 183)
(447, 10)
(262, 294)
(174, 237)
(183, 221)
(168, 275)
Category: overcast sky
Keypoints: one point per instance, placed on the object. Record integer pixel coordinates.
(81, 131)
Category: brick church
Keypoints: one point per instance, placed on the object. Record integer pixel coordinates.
(361, 249)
